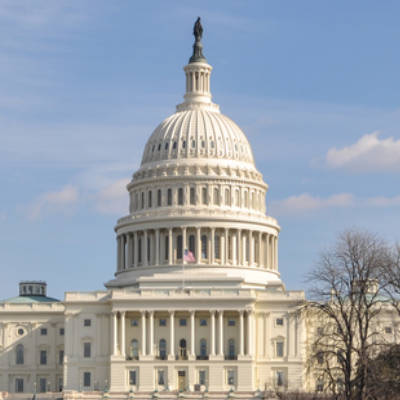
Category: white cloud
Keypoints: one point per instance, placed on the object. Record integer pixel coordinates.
(382, 201)
(113, 199)
(62, 201)
(305, 203)
(369, 153)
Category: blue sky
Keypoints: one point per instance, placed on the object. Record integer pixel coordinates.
(314, 84)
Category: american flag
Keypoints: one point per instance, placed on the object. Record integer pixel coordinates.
(189, 257)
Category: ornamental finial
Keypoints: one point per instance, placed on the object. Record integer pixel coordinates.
(197, 47)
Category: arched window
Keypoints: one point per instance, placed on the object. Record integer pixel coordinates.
(217, 246)
(169, 197)
(204, 246)
(203, 349)
(192, 246)
(163, 349)
(216, 196)
(19, 355)
(227, 197)
(192, 196)
(231, 349)
(180, 197)
(134, 349)
(149, 199)
(182, 349)
(179, 247)
(159, 198)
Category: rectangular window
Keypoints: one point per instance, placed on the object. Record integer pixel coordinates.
(192, 196)
(87, 377)
(134, 322)
(43, 357)
(139, 250)
(204, 195)
(279, 349)
(231, 377)
(149, 199)
(61, 357)
(180, 197)
(161, 379)
(388, 329)
(169, 197)
(203, 322)
(148, 249)
(182, 322)
(87, 350)
(163, 322)
(43, 331)
(216, 196)
(202, 377)
(166, 249)
(62, 331)
(179, 247)
(231, 322)
(132, 377)
(159, 197)
(19, 385)
(280, 378)
(42, 385)
(279, 322)
(217, 246)
(87, 322)
(142, 202)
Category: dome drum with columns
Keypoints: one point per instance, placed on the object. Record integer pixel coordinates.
(197, 191)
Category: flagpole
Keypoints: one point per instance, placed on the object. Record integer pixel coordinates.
(183, 270)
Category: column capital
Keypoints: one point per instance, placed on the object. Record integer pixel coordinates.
(171, 312)
(151, 313)
(192, 312)
(122, 313)
(213, 312)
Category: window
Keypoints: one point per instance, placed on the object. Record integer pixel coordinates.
(19, 354)
(132, 377)
(163, 349)
(204, 246)
(149, 199)
(180, 197)
(20, 331)
(179, 247)
(43, 331)
(87, 377)
(159, 198)
(202, 377)
(62, 331)
(192, 196)
(174, 146)
(42, 385)
(182, 349)
(320, 331)
(216, 196)
(203, 322)
(237, 198)
(142, 202)
(87, 350)
(246, 199)
(148, 249)
(320, 386)
(161, 377)
(139, 250)
(134, 349)
(279, 349)
(320, 358)
(166, 146)
(182, 322)
(134, 322)
(61, 357)
(217, 246)
(231, 349)
(193, 143)
(169, 197)
(280, 378)
(163, 322)
(87, 322)
(43, 357)
(231, 377)
(279, 322)
(203, 348)
(204, 195)
(166, 248)
(184, 144)
(19, 385)
(227, 197)
(231, 322)
(388, 329)
(192, 246)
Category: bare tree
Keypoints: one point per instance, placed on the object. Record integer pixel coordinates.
(392, 277)
(347, 289)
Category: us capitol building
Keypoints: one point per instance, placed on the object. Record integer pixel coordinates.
(196, 306)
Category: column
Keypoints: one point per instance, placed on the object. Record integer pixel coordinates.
(118, 253)
(157, 261)
(151, 339)
(260, 263)
(192, 334)
(183, 244)
(212, 249)
(145, 260)
(123, 345)
(135, 258)
(221, 332)
(143, 333)
(170, 246)
(240, 247)
(276, 253)
(234, 250)
(251, 248)
(209, 247)
(266, 335)
(123, 263)
(241, 332)
(172, 334)
(212, 327)
(115, 333)
(129, 250)
(198, 245)
(224, 248)
(250, 333)
(270, 251)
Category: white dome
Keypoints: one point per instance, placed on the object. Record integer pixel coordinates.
(199, 134)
